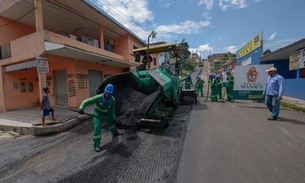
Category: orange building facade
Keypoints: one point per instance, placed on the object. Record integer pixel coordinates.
(62, 46)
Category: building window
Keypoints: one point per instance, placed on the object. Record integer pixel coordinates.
(23, 87)
(15, 85)
(31, 87)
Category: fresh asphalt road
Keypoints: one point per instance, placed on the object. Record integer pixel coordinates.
(235, 143)
(213, 143)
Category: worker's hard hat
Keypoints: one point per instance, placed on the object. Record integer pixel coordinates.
(217, 77)
(109, 89)
(228, 71)
(188, 75)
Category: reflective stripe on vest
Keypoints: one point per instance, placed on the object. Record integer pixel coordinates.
(113, 126)
(97, 137)
(102, 110)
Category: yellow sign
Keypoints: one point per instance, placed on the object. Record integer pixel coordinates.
(255, 43)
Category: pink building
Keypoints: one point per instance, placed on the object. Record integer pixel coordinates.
(59, 44)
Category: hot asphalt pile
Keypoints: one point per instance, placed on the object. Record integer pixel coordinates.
(131, 104)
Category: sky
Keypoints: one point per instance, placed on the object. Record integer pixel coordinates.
(211, 26)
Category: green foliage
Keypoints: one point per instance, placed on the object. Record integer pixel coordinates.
(184, 51)
(293, 106)
(267, 51)
(153, 34)
(227, 56)
(188, 66)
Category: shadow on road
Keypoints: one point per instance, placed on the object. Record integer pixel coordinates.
(297, 122)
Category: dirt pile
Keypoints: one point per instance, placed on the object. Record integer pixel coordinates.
(131, 104)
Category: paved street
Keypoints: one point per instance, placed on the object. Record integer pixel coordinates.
(211, 142)
(235, 143)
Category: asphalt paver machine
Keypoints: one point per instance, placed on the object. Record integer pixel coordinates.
(147, 96)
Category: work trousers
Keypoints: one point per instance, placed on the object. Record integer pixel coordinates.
(97, 133)
(273, 105)
(230, 94)
(214, 93)
(219, 92)
(199, 91)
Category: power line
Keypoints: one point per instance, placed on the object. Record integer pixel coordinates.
(123, 19)
(17, 18)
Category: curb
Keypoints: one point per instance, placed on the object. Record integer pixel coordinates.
(57, 128)
(21, 130)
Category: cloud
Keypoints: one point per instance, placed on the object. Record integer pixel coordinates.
(181, 28)
(272, 36)
(257, 1)
(136, 16)
(205, 47)
(208, 3)
(231, 49)
(133, 10)
(226, 4)
(166, 3)
(206, 16)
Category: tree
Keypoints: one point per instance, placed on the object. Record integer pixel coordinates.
(184, 49)
(267, 52)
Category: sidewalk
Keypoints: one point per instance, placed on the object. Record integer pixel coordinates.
(28, 121)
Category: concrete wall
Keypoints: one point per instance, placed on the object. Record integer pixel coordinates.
(295, 88)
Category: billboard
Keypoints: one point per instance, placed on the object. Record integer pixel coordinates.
(252, 45)
(249, 81)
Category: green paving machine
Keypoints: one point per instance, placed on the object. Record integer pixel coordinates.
(162, 93)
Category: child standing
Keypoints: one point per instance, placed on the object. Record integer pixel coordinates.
(45, 106)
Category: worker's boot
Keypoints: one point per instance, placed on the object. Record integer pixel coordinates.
(117, 134)
(97, 149)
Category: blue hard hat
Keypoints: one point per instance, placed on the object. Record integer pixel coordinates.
(228, 71)
(188, 75)
(217, 77)
(109, 89)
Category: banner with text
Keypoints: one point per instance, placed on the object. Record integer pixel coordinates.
(42, 65)
(249, 81)
(297, 60)
(253, 44)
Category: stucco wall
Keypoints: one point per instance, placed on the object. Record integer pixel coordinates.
(13, 31)
(83, 68)
(14, 98)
